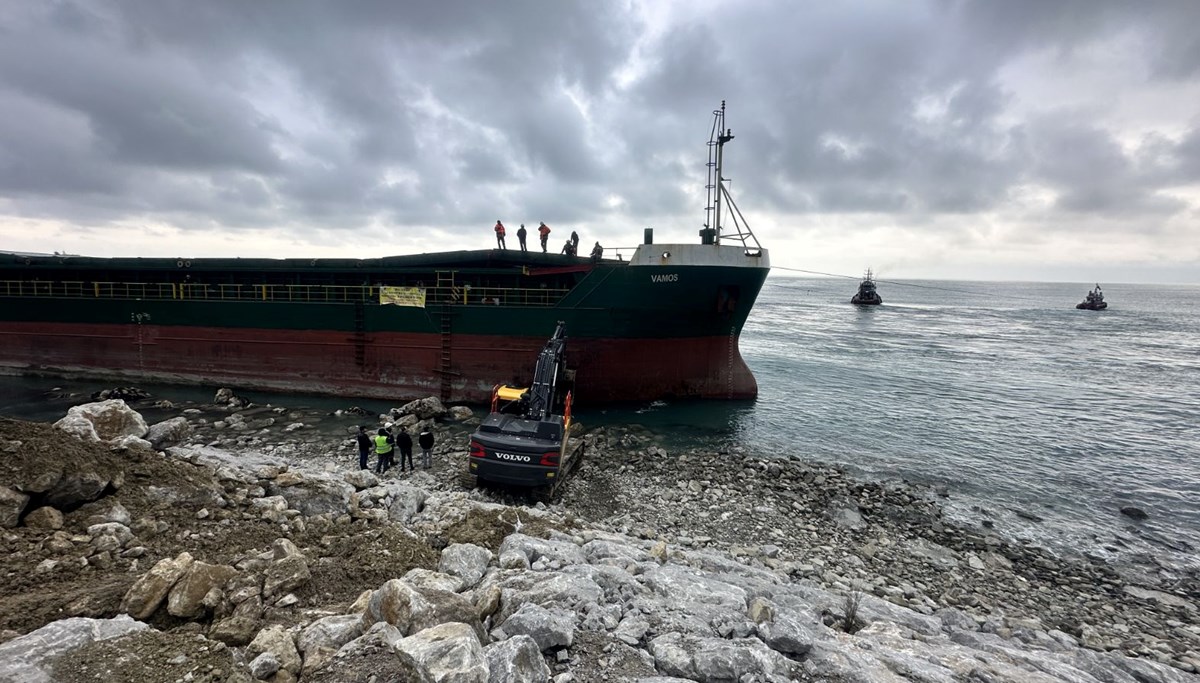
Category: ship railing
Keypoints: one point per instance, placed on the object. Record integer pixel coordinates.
(195, 291)
(612, 252)
(41, 288)
(494, 296)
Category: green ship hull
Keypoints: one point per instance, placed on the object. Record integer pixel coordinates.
(665, 323)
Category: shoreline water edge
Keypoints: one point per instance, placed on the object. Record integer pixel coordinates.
(233, 541)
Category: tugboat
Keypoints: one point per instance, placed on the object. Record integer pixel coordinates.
(867, 296)
(1094, 301)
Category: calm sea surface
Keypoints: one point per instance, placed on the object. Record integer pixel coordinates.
(1003, 393)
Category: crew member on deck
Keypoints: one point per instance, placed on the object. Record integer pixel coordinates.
(597, 252)
(544, 231)
(500, 235)
(574, 241)
(568, 248)
(521, 237)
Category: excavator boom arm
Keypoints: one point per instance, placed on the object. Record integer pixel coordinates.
(546, 375)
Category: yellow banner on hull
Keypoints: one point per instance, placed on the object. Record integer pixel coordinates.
(402, 296)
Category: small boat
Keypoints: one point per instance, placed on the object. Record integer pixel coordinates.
(867, 296)
(1094, 301)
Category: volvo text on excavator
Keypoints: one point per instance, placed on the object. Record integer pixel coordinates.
(525, 440)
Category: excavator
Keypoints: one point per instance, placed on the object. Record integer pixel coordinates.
(525, 440)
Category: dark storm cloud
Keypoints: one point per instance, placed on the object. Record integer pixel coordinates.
(45, 148)
(176, 89)
(142, 109)
(883, 112)
(900, 110)
(1166, 28)
(1177, 162)
(1091, 171)
(339, 115)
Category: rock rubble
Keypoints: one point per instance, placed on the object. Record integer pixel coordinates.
(258, 558)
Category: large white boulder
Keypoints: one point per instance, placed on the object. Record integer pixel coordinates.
(413, 609)
(12, 504)
(450, 652)
(516, 660)
(148, 592)
(466, 561)
(106, 421)
(169, 432)
(276, 640)
(30, 658)
(424, 408)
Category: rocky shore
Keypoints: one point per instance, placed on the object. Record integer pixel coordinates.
(240, 542)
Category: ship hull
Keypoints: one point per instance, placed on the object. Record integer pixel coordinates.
(664, 324)
(396, 365)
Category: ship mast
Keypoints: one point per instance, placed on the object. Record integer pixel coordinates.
(718, 193)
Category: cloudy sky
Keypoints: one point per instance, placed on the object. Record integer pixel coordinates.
(1024, 139)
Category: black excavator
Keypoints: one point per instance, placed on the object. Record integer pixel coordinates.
(526, 438)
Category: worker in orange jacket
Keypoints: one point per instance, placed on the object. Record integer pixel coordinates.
(500, 235)
(544, 231)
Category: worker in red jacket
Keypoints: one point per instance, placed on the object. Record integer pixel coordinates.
(544, 231)
(500, 235)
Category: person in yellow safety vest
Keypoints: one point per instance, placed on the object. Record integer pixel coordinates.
(384, 447)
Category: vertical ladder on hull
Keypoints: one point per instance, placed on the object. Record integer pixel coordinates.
(445, 363)
(445, 281)
(360, 335)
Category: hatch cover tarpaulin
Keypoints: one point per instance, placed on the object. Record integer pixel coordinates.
(402, 296)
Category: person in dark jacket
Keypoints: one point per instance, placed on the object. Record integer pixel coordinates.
(364, 446)
(521, 236)
(574, 242)
(384, 446)
(425, 440)
(404, 443)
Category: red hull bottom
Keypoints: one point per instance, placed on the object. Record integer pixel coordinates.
(388, 366)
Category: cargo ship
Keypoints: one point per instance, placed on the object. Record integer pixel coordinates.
(662, 322)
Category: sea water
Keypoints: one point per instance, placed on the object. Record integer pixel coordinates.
(1039, 418)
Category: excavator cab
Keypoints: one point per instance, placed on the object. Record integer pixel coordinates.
(525, 439)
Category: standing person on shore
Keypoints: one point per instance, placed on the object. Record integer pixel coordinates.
(404, 442)
(544, 232)
(384, 445)
(425, 441)
(499, 235)
(521, 237)
(364, 446)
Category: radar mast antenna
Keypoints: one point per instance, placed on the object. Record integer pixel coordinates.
(718, 192)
